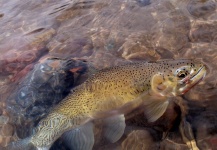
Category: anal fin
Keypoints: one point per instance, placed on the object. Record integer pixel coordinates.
(81, 138)
(114, 128)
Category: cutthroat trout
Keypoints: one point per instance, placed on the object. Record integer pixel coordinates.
(108, 95)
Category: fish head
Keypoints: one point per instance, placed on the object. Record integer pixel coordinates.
(178, 76)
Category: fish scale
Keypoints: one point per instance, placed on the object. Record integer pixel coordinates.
(126, 84)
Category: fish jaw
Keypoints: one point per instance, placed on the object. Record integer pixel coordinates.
(190, 83)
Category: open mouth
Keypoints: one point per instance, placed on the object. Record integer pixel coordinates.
(194, 80)
(199, 71)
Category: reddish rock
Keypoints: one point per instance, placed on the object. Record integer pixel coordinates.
(139, 140)
(7, 130)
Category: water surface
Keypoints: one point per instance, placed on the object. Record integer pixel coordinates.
(107, 33)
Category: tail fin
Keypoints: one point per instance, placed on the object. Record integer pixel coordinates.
(23, 144)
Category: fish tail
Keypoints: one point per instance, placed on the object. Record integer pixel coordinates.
(23, 144)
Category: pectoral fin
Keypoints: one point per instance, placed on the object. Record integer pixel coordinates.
(115, 127)
(81, 138)
(155, 109)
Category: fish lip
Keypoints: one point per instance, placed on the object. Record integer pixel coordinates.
(194, 80)
(198, 73)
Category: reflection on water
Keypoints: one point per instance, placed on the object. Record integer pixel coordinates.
(107, 33)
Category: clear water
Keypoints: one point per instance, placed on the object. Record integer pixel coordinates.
(107, 33)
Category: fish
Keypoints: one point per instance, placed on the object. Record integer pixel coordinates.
(110, 94)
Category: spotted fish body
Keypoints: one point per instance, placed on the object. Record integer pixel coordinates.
(111, 89)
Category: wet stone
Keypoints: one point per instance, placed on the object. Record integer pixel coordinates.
(25, 96)
(4, 140)
(143, 2)
(3, 119)
(204, 32)
(139, 139)
(1, 139)
(164, 53)
(7, 130)
(168, 144)
(202, 8)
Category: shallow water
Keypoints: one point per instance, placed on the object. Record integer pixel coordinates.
(107, 33)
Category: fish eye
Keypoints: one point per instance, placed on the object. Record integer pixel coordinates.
(182, 75)
(182, 72)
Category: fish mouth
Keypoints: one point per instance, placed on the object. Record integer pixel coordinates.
(194, 80)
(199, 75)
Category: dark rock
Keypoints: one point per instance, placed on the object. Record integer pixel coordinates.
(143, 2)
